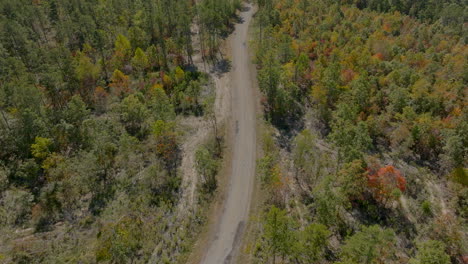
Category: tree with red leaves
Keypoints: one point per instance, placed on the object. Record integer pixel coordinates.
(386, 183)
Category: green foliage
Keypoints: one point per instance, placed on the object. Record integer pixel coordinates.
(86, 71)
(370, 245)
(269, 76)
(362, 77)
(215, 18)
(122, 51)
(265, 166)
(140, 61)
(431, 252)
(426, 207)
(283, 240)
(161, 105)
(267, 15)
(269, 81)
(3, 179)
(160, 128)
(76, 111)
(306, 159)
(120, 242)
(69, 131)
(27, 173)
(81, 84)
(207, 165)
(352, 140)
(312, 243)
(460, 175)
(275, 83)
(133, 113)
(15, 207)
(278, 232)
(371, 78)
(40, 149)
(328, 203)
(352, 180)
(450, 12)
(166, 143)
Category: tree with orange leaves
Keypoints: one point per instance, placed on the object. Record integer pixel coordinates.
(119, 83)
(386, 183)
(100, 98)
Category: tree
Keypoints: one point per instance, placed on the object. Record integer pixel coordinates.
(455, 152)
(269, 81)
(122, 51)
(119, 242)
(278, 232)
(329, 203)
(301, 67)
(138, 36)
(285, 51)
(133, 114)
(69, 132)
(352, 140)
(166, 143)
(312, 243)
(207, 167)
(371, 245)
(214, 17)
(210, 114)
(431, 252)
(119, 83)
(352, 180)
(184, 33)
(87, 73)
(16, 206)
(105, 154)
(153, 57)
(305, 155)
(76, 111)
(140, 61)
(386, 183)
(160, 104)
(157, 25)
(41, 148)
(268, 16)
(361, 93)
(100, 99)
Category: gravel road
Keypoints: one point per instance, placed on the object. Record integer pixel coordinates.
(223, 248)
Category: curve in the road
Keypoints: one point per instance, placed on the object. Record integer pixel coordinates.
(222, 249)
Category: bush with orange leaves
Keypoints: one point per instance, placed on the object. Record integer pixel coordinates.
(386, 183)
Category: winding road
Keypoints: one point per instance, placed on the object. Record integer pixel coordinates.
(230, 224)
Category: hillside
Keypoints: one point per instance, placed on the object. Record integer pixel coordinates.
(129, 131)
(365, 144)
(110, 145)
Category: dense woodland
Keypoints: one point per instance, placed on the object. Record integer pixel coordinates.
(91, 95)
(365, 146)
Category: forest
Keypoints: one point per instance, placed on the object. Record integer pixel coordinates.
(93, 95)
(365, 134)
(363, 138)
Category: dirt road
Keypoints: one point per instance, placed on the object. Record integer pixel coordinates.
(229, 227)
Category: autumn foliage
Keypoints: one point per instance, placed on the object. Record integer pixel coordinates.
(384, 181)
